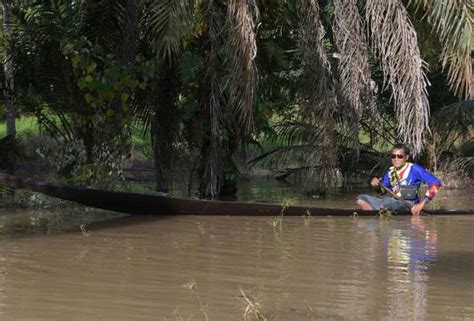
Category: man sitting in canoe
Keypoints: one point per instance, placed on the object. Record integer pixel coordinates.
(402, 180)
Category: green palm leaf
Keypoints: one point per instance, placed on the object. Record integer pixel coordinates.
(167, 24)
(453, 21)
(457, 116)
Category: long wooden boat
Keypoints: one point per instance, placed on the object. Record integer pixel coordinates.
(136, 203)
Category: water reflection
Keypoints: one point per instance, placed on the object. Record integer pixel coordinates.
(17, 223)
(409, 256)
(325, 268)
(268, 190)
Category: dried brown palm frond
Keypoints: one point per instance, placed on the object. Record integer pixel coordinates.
(317, 85)
(318, 93)
(453, 21)
(243, 17)
(395, 39)
(353, 66)
(212, 101)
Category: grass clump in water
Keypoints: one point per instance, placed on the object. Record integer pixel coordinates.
(307, 217)
(386, 213)
(278, 220)
(192, 285)
(252, 308)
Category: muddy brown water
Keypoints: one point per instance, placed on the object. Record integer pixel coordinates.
(82, 264)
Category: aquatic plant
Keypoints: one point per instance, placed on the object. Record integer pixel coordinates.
(192, 285)
(252, 308)
(84, 231)
(385, 213)
(278, 220)
(307, 217)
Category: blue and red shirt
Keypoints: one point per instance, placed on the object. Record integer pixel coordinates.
(411, 174)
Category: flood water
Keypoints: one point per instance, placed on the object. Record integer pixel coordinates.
(78, 264)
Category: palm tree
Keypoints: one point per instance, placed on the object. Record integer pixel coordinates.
(166, 25)
(334, 68)
(226, 100)
(340, 86)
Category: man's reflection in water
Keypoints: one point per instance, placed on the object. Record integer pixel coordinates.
(410, 252)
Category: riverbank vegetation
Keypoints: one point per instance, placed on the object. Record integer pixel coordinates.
(203, 93)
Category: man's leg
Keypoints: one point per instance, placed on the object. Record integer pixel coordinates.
(396, 205)
(364, 205)
(368, 203)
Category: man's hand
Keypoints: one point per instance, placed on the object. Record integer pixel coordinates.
(417, 208)
(375, 182)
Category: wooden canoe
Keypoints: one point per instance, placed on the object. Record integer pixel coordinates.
(136, 203)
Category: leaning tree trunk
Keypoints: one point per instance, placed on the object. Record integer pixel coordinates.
(8, 89)
(164, 127)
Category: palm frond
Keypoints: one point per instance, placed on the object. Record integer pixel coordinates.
(292, 132)
(212, 101)
(10, 145)
(167, 24)
(451, 125)
(286, 157)
(319, 105)
(395, 39)
(3, 189)
(40, 30)
(458, 115)
(353, 65)
(243, 16)
(453, 21)
(317, 82)
(353, 68)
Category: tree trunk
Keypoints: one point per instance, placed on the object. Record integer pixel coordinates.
(129, 45)
(9, 88)
(164, 127)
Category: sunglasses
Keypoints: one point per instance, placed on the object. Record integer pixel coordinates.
(397, 156)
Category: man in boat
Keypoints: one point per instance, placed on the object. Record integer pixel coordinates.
(402, 181)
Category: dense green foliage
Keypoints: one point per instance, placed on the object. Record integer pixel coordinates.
(209, 81)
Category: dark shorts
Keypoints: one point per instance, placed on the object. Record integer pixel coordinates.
(387, 202)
